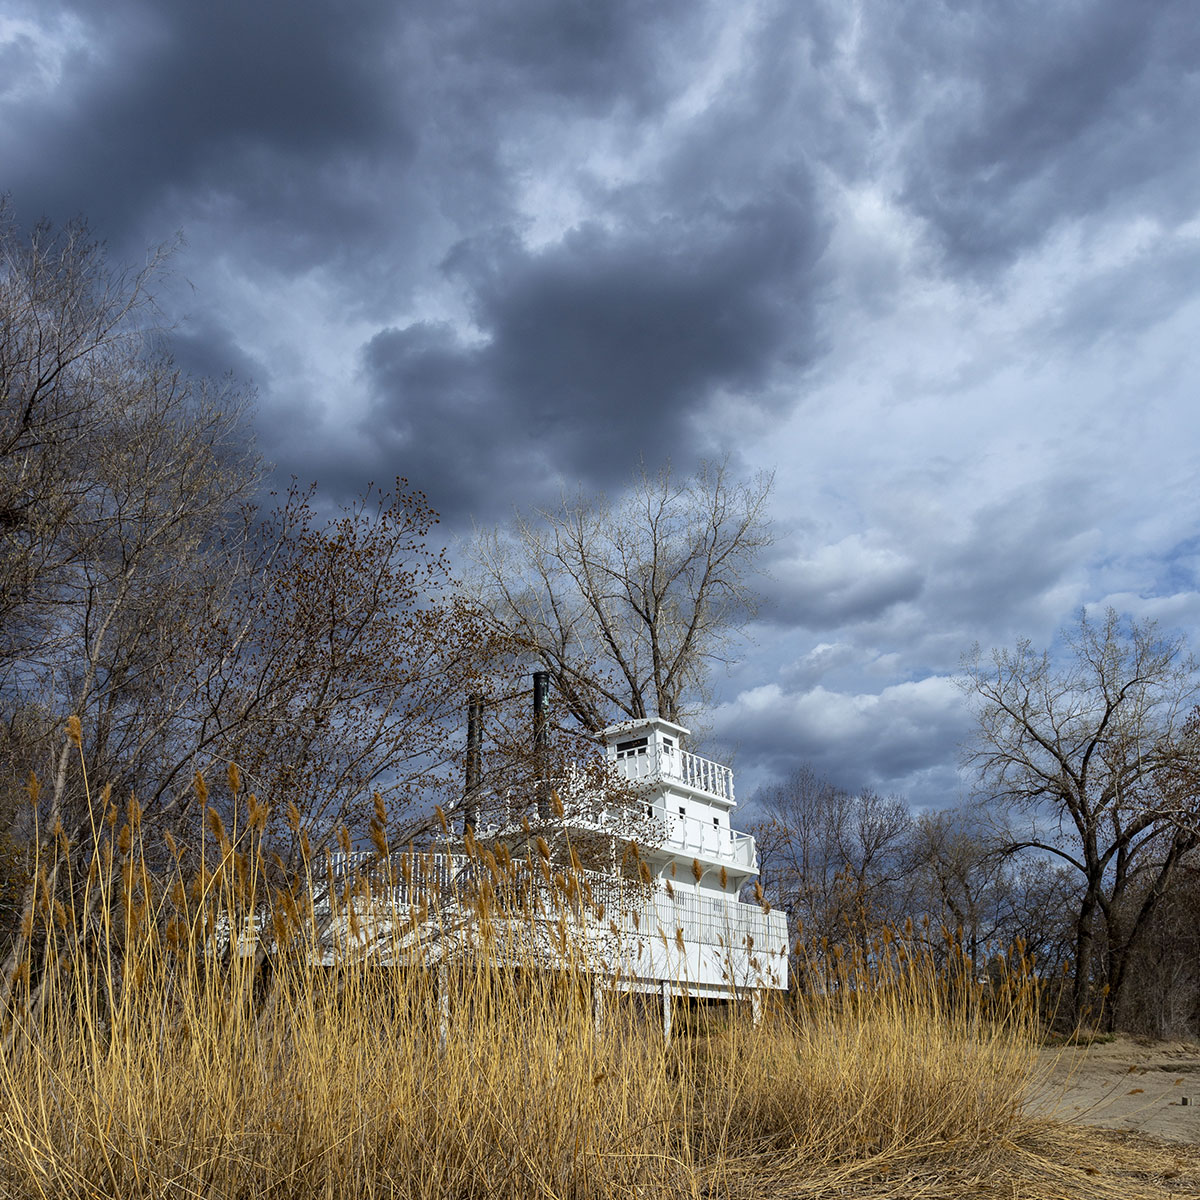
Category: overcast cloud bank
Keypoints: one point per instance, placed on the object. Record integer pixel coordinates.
(937, 266)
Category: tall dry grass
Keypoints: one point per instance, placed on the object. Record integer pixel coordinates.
(150, 1052)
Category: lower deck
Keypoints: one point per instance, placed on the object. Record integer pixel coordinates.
(697, 944)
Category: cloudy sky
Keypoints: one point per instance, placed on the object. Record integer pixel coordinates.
(935, 264)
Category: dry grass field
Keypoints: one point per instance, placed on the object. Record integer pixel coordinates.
(143, 1058)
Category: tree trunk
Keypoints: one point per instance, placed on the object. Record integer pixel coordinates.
(1085, 939)
(1124, 935)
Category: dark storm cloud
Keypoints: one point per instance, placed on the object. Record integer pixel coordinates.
(205, 349)
(902, 737)
(593, 54)
(602, 347)
(365, 141)
(313, 131)
(1029, 114)
(208, 102)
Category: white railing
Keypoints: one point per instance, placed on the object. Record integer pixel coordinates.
(683, 766)
(703, 839)
(659, 830)
(705, 775)
(429, 874)
(710, 921)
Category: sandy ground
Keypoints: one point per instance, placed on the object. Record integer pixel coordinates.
(1143, 1087)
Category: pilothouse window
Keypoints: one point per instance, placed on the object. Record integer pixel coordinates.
(631, 749)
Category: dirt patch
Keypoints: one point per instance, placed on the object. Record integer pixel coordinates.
(1127, 1084)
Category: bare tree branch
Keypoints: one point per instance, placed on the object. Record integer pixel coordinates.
(629, 605)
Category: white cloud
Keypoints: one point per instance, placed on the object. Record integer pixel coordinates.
(1181, 610)
(35, 53)
(853, 579)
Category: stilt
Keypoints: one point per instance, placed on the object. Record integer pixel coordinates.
(666, 1011)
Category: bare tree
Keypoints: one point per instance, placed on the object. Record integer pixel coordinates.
(1082, 746)
(122, 484)
(959, 874)
(150, 606)
(1042, 894)
(342, 665)
(66, 327)
(120, 477)
(629, 604)
(1162, 997)
(834, 858)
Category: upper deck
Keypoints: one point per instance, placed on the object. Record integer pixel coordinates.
(649, 751)
(699, 774)
(678, 812)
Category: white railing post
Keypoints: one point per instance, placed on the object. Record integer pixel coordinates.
(705, 775)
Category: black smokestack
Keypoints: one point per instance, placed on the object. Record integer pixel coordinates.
(541, 695)
(474, 740)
